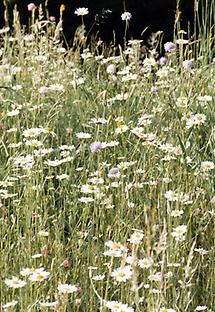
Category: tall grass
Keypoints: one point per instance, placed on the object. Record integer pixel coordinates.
(107, 162)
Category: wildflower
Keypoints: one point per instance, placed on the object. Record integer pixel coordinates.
(121, 128)
(126, 16)
(13, 113)
(136, 238)
(31, 7)
(171, 196)
(56, 87)
(182, 41)
(32, 132)
(52, 19)
(182, 102)
(169, 47)
(116, 306)
(82, 135)
(33, 143)
(187, 64)
(25, 162)
(4, 30)
(112, 144)
(122, 274)
(111, 68)
(6, 183)
(67, 288)
(98, 277)
(116, 249)
(163, 60)
(205, 98)
(43, 234)
(149, 62)
(43, 90)
(212, 201)
(53, 304)
(10, 304)
(96, 147)
(99, 121)
(86, 200)
(179, 232)
(199, 119)
(63, 176)
(15, 282)
(89, 189)
(60, 50)
(156, 277)
(28, 271)
(176, 213)
(207, 165)
(81, 11)
(201, 251)
(114, 173)
(166, 310)
(201, 308)
(145, 263)
(36, 256)
(39, 275)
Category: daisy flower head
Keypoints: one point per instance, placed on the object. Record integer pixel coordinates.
(67, 288)
(39, 275)
(32, 132)
(179, 232)
(201, 308)
(182, 102)
(126, 16)
(116, 249)
(53, 304)
(145, 263)
(15, 282)
(207, 165)
(166, 310)
(199, 119)
(27, 271)
(117, 246)
(81, 11)
(116, 306)
(89, 189)
(136, 238)
(83, 135)
(122, 274)
(171, 196)
(9, 305)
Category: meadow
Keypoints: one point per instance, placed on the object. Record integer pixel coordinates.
(107, 172)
